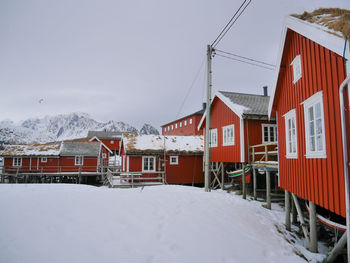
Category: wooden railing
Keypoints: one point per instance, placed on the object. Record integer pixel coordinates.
(51, 169)
(266, 152)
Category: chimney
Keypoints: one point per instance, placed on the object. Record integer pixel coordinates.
(204, 105)
(265, 90)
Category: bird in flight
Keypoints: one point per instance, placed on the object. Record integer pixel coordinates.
(41, 100)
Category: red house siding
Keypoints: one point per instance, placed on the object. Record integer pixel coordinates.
(317, 179)
(68, 164)
(112, 144)
(189, 129)
(189, 169)
(33, 165)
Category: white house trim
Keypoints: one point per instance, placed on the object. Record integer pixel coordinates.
(95, 138)
(242, 140)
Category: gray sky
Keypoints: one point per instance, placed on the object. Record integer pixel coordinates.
(132, 61)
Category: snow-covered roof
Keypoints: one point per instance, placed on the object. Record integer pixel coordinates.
(48, 149)
(134, 143)
(104, 134)
(315, 30)
(243, 105)
(80, 148)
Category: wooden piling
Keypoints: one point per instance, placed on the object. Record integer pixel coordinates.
(287, 209)
(268, 190)
(313, 228)
(244, 188)
(254, 184)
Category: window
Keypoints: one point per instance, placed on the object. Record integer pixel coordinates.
(174, 159)
(168, 128)
(190, 121)
(185, 123)
(228, 137)
(172, 127)
(291, 134)
(296, 64)
(17, 161)
(314, 126)
(112, 142)
(213, 134)
(180, 124)
(44, 159)
(148, 164)
(175, 125)
(269, 133)
(104, 155)
(79, 160)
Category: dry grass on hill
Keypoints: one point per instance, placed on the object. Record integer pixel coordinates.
(334, 18)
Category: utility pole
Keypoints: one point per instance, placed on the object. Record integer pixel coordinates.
(207, 122)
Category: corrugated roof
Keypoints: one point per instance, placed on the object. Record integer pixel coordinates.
(48, 149)
(80, 148)
(104, 134)
(134, 143)
(249, 104)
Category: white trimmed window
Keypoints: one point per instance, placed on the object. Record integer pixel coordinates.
(296, 64)
(148, 164)
(17, 161)
(79, 160)
(44, 159)
(175, 125)
(180, 124)
(228, 135)
(168, 128)
(190, 121)
(104, 155)
(314, 126)
(291, 134)
(185, 123)
(112, 142)
(172, 127)
(213, 134)
(269, 133)
(174, 159)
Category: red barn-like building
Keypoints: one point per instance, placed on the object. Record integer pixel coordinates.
(178, 159)
(185, 126)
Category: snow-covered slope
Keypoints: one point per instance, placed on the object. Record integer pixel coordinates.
(59, 127)
(148, 129)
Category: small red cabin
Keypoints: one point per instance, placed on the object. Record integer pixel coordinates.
(185, 126)
(307, 105)
(111, 140)
(237, 122)
(178, 158)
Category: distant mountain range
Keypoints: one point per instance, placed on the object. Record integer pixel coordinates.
(61, 127)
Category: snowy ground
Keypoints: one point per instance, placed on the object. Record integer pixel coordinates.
(77, 223)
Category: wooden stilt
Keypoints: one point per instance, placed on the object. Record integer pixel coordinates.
(303, 224)
(287, 208)
(313, 229)
(337, 249)
(294, 213)
(268, 190)
(254, 184)
(222, 176)
(244, 188)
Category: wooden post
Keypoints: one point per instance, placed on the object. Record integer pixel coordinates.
(268, 190)
(244, 190)
(222, 175)
(266, 156)
(254, 184)
(313, 228)
(294, 214)
(337, 249)
(287, 208)
(302, 222)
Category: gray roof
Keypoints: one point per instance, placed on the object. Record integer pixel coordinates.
(253, 104)
(80, 148)
(104, 134)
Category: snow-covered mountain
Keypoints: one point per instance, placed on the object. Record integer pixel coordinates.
(148, 129)
(59, 127)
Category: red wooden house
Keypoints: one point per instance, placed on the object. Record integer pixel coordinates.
(237, 122)
(307, 105)
(176, 158)
(111, 140)
(184, 126)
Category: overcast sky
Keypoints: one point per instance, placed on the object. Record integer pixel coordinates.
(132, 61)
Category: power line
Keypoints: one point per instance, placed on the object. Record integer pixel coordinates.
(239, 56)
(236, 59)
(230, 23)
(190, 88)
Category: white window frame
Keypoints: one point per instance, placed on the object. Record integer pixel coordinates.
(190, 121)
(290, 117)
(225, 130)
(174, 160)
(297, 69)
(104, 155)
(146, 159)
(43, 159)
(185, 123)
(17, 161)
(172, 127)
(180, 124)
(213, 134)
(269, 132)
(311, 102)
(79, 160)
(175, 125)
(112, 142)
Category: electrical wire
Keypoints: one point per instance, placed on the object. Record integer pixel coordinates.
(236, 59)
(239, 56)
(230, 24)
(190, 88)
